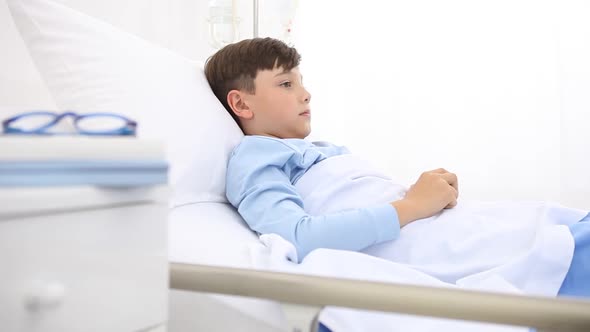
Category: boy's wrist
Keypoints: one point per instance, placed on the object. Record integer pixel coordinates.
(406, 211)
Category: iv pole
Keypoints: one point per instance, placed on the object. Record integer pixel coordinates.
(255, 18)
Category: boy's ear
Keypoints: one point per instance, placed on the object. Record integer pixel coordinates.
(237, 102)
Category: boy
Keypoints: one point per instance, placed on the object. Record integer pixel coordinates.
(268, 176)
(267, 99)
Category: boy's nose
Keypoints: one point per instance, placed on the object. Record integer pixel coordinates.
(307, 96)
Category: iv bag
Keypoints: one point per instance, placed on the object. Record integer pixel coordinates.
(286, 13)
(223, 23)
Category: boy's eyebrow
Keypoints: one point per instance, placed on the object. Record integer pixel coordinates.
(283, 73)
(287, 72)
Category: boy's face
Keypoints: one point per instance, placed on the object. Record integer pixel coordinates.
(279, 107)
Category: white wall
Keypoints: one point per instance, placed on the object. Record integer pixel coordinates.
(574, 46)
(495, 91)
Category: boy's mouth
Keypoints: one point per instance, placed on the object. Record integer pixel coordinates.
(305, 113)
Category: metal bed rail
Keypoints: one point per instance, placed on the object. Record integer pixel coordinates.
(543, 313)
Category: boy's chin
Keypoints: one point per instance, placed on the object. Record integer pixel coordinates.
(305, 133)
(300, 133)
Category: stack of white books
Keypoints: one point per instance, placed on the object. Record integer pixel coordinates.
(48, 174)
(81, 160)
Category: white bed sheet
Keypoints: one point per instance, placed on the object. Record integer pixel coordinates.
(215, 234)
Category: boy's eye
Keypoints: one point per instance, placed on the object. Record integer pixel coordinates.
(286, 84)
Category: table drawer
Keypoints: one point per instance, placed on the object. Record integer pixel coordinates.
(98, 270)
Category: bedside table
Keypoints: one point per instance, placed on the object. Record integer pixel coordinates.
(83, 234)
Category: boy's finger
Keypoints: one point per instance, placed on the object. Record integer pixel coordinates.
(456, 193)
(451, 205)
(454, 201)
(451, 179)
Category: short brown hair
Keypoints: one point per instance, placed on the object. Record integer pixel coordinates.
(235, 66)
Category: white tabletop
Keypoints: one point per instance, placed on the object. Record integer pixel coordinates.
(38, 148)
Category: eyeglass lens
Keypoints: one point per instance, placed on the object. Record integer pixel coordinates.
(100, 123)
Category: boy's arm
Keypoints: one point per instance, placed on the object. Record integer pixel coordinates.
(269, 203)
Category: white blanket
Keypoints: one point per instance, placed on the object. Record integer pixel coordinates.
(513, 247)
(277, 254)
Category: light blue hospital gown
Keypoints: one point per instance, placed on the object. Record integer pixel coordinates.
(261, 177)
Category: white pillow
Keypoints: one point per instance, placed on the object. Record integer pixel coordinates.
(89, 66)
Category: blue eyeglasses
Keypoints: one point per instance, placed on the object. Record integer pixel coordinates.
(41, 123)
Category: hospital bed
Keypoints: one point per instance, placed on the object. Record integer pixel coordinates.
(196, 267)
(213, 286)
